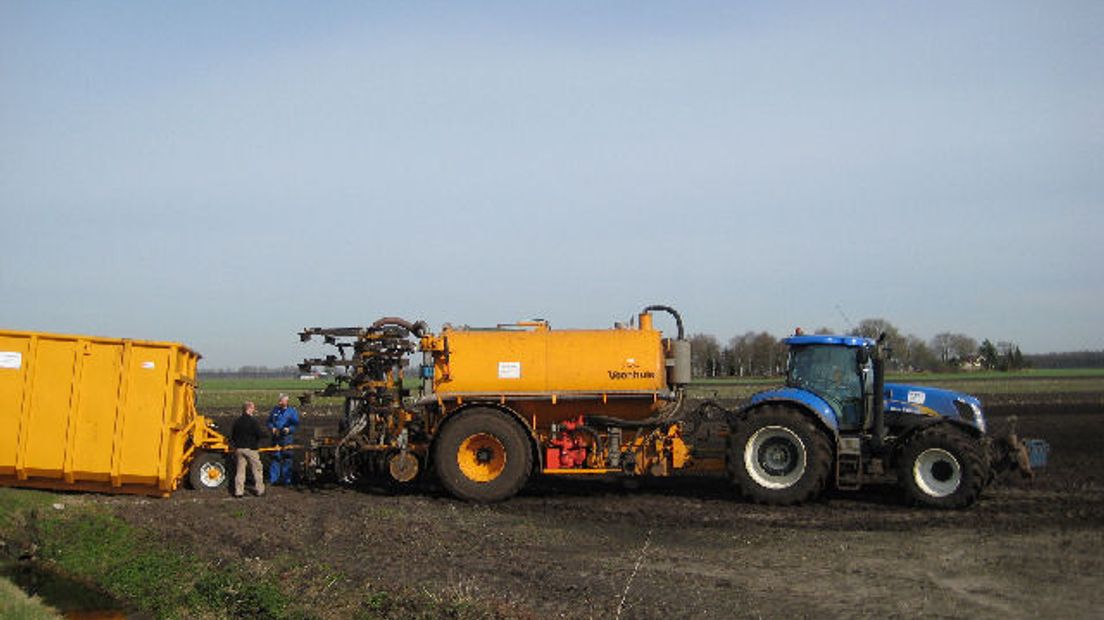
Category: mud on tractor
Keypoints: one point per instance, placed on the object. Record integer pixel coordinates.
(494, 406)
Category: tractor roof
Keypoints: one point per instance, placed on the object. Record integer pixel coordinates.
(839, 341)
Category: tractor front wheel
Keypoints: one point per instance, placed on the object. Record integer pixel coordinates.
(777, 455)
(942, 467)
(483, 456)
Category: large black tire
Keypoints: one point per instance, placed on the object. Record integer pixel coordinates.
(942, 467)
(483, 455)
(208, 471)
(777, 455)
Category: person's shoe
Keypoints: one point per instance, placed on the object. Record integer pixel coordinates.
(238, 495)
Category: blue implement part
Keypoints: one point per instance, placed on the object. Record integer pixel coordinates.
(1038, 450)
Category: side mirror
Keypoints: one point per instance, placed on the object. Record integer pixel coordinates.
(864, 356)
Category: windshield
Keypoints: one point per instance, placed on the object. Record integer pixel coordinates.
(831, 372)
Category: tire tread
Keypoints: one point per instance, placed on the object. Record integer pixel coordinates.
(818, 459)
(972, 459)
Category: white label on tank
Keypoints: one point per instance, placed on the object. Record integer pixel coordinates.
(509, 370)
(11, 359)
(147, 364)
(917, 398)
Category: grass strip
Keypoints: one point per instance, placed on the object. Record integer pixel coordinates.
(87, 544)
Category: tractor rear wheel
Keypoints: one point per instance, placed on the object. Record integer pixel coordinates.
(777, 455)
(942, 467)
(483, 456)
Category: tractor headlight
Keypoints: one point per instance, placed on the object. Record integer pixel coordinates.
(971, 412)
(979, 417)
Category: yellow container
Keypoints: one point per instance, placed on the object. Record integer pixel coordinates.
(100, 414)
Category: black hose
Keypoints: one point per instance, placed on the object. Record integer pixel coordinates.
(610, 422)
(418, 328)
(672, 312)
(596, 447)
(693, 420)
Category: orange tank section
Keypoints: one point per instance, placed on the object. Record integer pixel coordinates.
(550, 375)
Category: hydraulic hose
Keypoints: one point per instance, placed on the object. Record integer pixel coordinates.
(418, 328)
(672, 312)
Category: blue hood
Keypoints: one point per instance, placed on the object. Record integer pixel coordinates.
(929, 401)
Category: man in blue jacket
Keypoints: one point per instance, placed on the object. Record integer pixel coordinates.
(282, 422)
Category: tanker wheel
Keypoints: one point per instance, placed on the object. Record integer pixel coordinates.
(208, 471)
(776, 455)
(483, 456)
(942, 467)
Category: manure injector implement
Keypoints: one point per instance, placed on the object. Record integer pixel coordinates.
(497, 405)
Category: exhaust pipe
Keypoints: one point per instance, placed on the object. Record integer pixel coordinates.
(878, 423)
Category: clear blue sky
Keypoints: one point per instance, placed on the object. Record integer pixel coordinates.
(223, 174)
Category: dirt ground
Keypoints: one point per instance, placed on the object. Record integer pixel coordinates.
(685, 547)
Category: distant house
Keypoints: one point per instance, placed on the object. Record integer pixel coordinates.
(972, 363)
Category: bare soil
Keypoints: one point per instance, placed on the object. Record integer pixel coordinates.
(683, 547)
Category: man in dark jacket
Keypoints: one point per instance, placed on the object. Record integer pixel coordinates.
(245, 437)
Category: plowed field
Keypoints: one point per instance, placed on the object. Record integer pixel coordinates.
(683, 547)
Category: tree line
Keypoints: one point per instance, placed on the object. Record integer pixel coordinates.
(1071, 359)
(250, 372)
(761, 354)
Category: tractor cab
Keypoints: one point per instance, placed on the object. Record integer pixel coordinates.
(839, 370)
(845, 376)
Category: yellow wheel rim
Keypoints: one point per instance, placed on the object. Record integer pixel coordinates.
(481, 457)
(212, 474)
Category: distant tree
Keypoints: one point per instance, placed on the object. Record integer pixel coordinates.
(705, 356)
(1069, 359)
(953, 349)
(755, 354)
(916, 355)
(873, 328)
(963, 348)
(737, 355)
(824, 331)
(1018, 362)
(941, 344)
(251, 372)
(1009, 356)
(988, 355)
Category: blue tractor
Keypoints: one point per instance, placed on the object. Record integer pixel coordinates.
(837, 422)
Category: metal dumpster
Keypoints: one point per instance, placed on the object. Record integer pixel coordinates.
(102, 414)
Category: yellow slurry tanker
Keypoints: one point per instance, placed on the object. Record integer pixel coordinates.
(498, 404)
